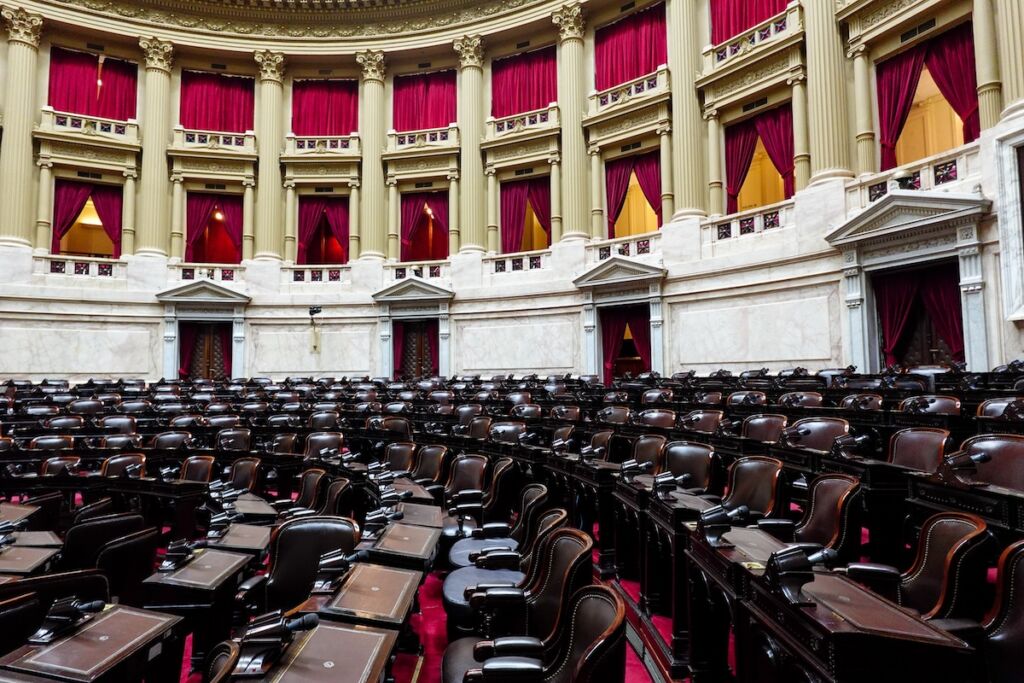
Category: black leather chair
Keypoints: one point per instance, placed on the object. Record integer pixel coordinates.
(197, 468)
(234, 439)
(919, 448)
(115, 465)
(324, 420)
(85, 584)
(754, 482)
(99, 508)
(20, 616)
(83, 541)
(400, 456)
(171, 440)
(245, 473)
(337, 501)
(498, 534)
(319, 441)
(127, 561)
(431, 464)
(311, 483)
(831, 519)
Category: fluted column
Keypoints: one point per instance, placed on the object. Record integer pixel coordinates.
(493, 198)
(865, 115)
(667, 196)
(394, 220)
(555, 162)
(471, 130)
(571, 99)
(716, 199)
(153, 231)
(270, 138)
(178, 216)
(373, 219)
(684, 63)
(290, 219)
(44, 206)
(249, 217)
(353, 218)
(1010, 34)
(986, 58)
(829, 124)
(16, 165)
(128, 212)
(454, 218)
(598, 226)
(801, 143)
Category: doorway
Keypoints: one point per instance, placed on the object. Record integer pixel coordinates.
(204, 350)
(415, 348)
(625, 340)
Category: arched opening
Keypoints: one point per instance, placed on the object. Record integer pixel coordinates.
(416, 346)
(204, 350)
(637, 215)
(87, 236)
(625, 340)
(932, 126)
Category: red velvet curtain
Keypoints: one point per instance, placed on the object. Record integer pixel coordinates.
(513, 215)
(613, 329)
(312, 211)
(69, 198)
(414, 219)
(432, 330)
(81, 84)
(231, 206)
(732, 17)
(740, 142)
(639, 319)
(216, 102)
(187, 333)
(648, 174)
(109, 203)
(895, 295)
(897, 80)
(616, 183)
(338, 218)
(198, 211)
(524, 82)
(630, 48)
(950, 61)
(424, 101)
(540, 201)
(775, 128)
(225, 333)
(397, 347)
(940, 293)
(325, 107)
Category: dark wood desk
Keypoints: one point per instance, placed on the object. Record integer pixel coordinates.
(595, 481)
(120, 644)
(158, 500)
(255, 509)
(1001, 508)
(336, 653)
(419, 494)
(24, 560)
(244, 538)
(10, 512)
(202, 592)
(421, 515)
(406, 546)
(38, 539)
(373, 595)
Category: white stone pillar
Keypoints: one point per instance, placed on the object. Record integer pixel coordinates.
(667, 196)
(986, 58)
(554, 161)
(249, 212)
(454, 219)
(571, 104)
(826, 93)
(684, 63)
(290, 220)
(16, 163)
(372, 221)
(44, 208)
(153, 234)
(1010, 33)
(471, 130)
(394, 221)
(177, 216)
(598, 224)
(128, 212)
(493, 210)
(716, 183)
(801, 143)
(353, 219)
(270, 139)
(865, 111)
(657, 336)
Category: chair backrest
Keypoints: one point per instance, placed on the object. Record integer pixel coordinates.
(563, 565)
(519, 397)
(99, 508)
(545, 524)
(817, 433)
(602, 439)
(186, 421)
(245, 473)
(85, 584)
(397, 408)
(469, 472)
(656, 396)
(171, 440)
(127, 561)
(1004, 624)
(318, 441)
(134, 407)
(746, 398)
(85, 406)
(569, 413)
(862, 402)
(467, 411)
(234, 439)
(284, 443)
(221, 662)
(125, 424)
(224, 421)
(755, 481)
(197, 468)
(337, 498)
(650, 448)
(506, 432)
(430, 463)
(83, 541)
(935, 405)
(1006, 465)
(116, 464)
(801, 399)
(532, 501)
(704, 421)
(766, 427)
(499, 497)
(529, 410)
(20, 616)
(51, 442)
(614, 415)
(65, 422)
(400, 455)
(920, 448)
(657, 417)
(324, 419)
(122, 441)
(948, 567)
(398, 425)
(295, 550)
(479, 427)
(829, 518)
(694, 459)
(593, 639)
(6, 444)
(310, 482)
(59, 464)
(994, 407)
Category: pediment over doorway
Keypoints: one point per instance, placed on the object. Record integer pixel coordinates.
(205, 292)
(413, 290)
(618, 271)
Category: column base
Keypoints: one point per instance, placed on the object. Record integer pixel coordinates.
(268, 256)
(687, 213)
(9, 241)
(150, 252)
(472, 249)
(1015, 109)
(371, 256)
(830, 174)
(570, 236)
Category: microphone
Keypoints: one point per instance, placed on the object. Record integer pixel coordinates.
(282, 628)
(131, 471)
(965, 460)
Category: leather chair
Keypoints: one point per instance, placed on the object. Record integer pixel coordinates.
(127, 561)
(756, 482)
(197, 468)
(1004, 624)
(60, 464)
(655, 396)
(310, 484)
(171, 440)
(431, 463)
(52, 442)
(531, 610)
(85, 406)
(83, 541)
(519, 397)
(532, 501)
(134, 407)
(507, 432)
(392, 423)
(41, 410)
(324, 420)
(947, 577)
(124, 424)
(1005, 466)
(861, 402)
(122, 441)
(400, 456)
(99, 508)
(115, 465)
(567, 413)
(283, 443)
(224, 421)
(187, 421)
(932, 405)
(696, 462)
(919, 448)
(465, 497)
(766, 427)
(467, 411)
(831, 519)
(815, 433)
(170, 407)
(318, 441)
(219, 410)
(336, 502)
(500, 566)
(296, 547)
(656, 417)
(613, 397)
(801, 399)
(746, 398)
(526, 410)
(703, 421)
(649, 448)
(479, 427)
(614, 415)
(20, 616)
(590, 647)
(367, 407)
(245, 474)
(86, 585)
(485, 395)
(221, 662)
(397, 408)
(234, 439)
(995, 407)
(64, 422)
(7, 444)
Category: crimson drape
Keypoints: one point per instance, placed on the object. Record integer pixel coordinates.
(613, 331)
(225, 333)
(940, 294)
(313, 210)
(775, 128)
(540, 201)
(433, 332)
(897, 79)
(513, 215)
(109, 202)
(325, 107)
(397, 347)
(424, 101)
(524, 82)
(740, 142)
(199, 210)
(648, 174)
(950, 61)
(414, 218)
(630, 48)
(187, 333)
(895, 295)
(616, 183)
(69, 198)
(231, 206)
(732, 17)
(639, 319)
(75, 85)
(216, 102)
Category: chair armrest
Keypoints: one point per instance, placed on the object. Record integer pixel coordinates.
(496, 597)
(782, 529)
(506, 670)
(435, 490)
(283, 504)
(250, 596)
(501, 559)
(484, 587)
(473, 557)
(509, 646)
(881, 578)
(967, 630)
(493, 530)
(467, 496)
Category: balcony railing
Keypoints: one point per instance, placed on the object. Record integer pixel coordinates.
(79, 266)
(520, 261)
(427, 270)
(222, 272)
(633, 246)
(648, 85)
(786, 23)
(345, 145)
(423, 139)
(757, 221)
(537, 119)
(298, 274)
(78, 124)
(186, 138)
(956, 170)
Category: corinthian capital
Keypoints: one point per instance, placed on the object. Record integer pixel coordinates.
(159, 53)
(569, 20)
(470, 50)
(271, 65)
(22, 26)
(372, 63)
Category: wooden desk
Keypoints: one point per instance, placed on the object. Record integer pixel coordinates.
(421, 515)
(373, 595)
(255, 509)
(38, 539)
(595, 481)
(202, 592)
(244, 538)
(419, 494)
(406, 546)
(336, 653)
(120, 644)
(22, 560)
(155, 498)
(10, 512)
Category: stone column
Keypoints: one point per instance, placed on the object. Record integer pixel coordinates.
(270, 138)
(571, 101)
(986, 58)
(128, 212)
(153, 233)
(598, 226)
(826, 93)
(684, 63)
(471, 130)
(44, 207)
(865, 110)
(493, 199)
(353, 218)
(373, 219)
(667, 197)
(177, 216)
(716, 197)
(290, 218)
(16, 162)
(1010, 39)
(249, 218)
(454, 218)
(556, 197)
(394, 220)
(801, 145)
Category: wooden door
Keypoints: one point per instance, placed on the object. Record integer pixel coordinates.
(210, 352)
(416, 352)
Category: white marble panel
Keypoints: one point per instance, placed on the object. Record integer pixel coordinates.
(535, 344)
(78, 349)
(343, 350)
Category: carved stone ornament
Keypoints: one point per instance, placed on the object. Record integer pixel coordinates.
(372, 64)
(22, 26)
(569, 20)
(271, 65)
(470, 50)
(159, 53)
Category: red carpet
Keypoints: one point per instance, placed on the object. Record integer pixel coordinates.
(635, 671)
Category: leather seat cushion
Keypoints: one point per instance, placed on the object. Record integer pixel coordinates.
(460, 552)
(456, 606)
(458, 659)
